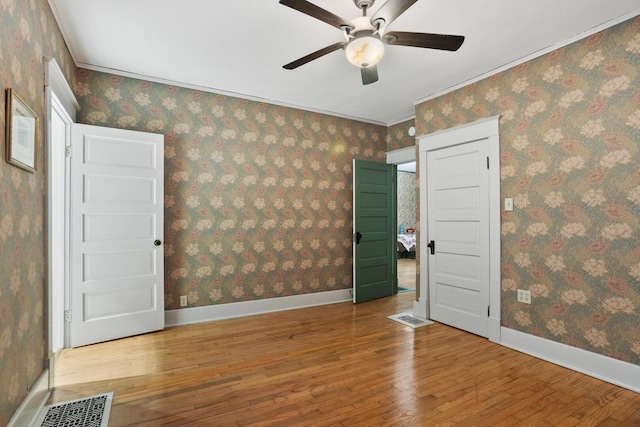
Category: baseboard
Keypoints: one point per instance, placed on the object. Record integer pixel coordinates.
(33, 403)
(605, 368)
(185, 316)
(493, 329)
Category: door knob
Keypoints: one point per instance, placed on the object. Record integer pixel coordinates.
(432, 246)
(157, 243)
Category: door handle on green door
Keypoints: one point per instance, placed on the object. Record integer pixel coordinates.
(358, 237)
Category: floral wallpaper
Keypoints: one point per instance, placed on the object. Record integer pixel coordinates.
(398, 136)
(407, 199)
(28, 32)
(570, 158)
(257, 197)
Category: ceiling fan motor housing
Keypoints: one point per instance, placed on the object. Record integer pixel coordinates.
(364, 4)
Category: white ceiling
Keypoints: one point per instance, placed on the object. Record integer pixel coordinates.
(238, 47)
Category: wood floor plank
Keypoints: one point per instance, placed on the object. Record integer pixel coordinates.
(336, 365)
(407, 273)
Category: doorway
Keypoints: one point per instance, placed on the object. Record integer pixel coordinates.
(116, 219)
(407, 244)
(406, 220)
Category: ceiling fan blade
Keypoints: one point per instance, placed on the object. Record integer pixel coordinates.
(318, 13)
(389, 11)
(369, 74)
(315, 55)
(429, 41)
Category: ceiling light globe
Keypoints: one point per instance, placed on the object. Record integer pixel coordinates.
(364, 51)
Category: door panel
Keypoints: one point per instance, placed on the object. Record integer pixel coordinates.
(460, 300)
(119, 153)
(103, 228)
(118, 265)
(102, 305)
(374, 204)
(458, 212)
(117, 273)
(459, 233)
(111, 189)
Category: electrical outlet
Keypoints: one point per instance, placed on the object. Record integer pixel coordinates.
(183, 300)
(524, 296)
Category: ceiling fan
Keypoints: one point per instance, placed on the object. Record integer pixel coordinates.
(365, 38)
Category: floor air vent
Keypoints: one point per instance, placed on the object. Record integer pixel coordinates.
(89, 412)
(409, 319)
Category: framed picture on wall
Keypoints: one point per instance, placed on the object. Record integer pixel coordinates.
(21, 133)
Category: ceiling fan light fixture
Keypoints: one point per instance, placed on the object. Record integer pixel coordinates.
(364, 51)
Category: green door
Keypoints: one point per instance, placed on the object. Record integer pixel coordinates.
(374, 230)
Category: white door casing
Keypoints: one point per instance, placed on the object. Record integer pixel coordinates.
(117, 262)
(61, 107)
(59, 134)
(486, 129)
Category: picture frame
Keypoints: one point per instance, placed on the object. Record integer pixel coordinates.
(21, 133)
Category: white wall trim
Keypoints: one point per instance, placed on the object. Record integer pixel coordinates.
(495, 235)
(54, 78)
(620, 19)
(402, 155)
(406, 119)
(186, 316)
(33, 403)
(595, 365)
(421, 305)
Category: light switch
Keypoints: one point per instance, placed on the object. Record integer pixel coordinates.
(508, 204)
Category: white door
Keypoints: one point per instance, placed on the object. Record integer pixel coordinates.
(458, 217)
(117, 265)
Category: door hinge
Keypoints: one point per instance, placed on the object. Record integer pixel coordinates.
(68, 151)
(487, 162)
(67, 315)
(489, 311)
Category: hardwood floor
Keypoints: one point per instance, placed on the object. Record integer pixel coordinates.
(407, 273)
(334, 365)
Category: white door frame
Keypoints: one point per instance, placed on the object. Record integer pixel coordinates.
(399, 157)
(402, 155)
(60, 101)
(482, 129)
